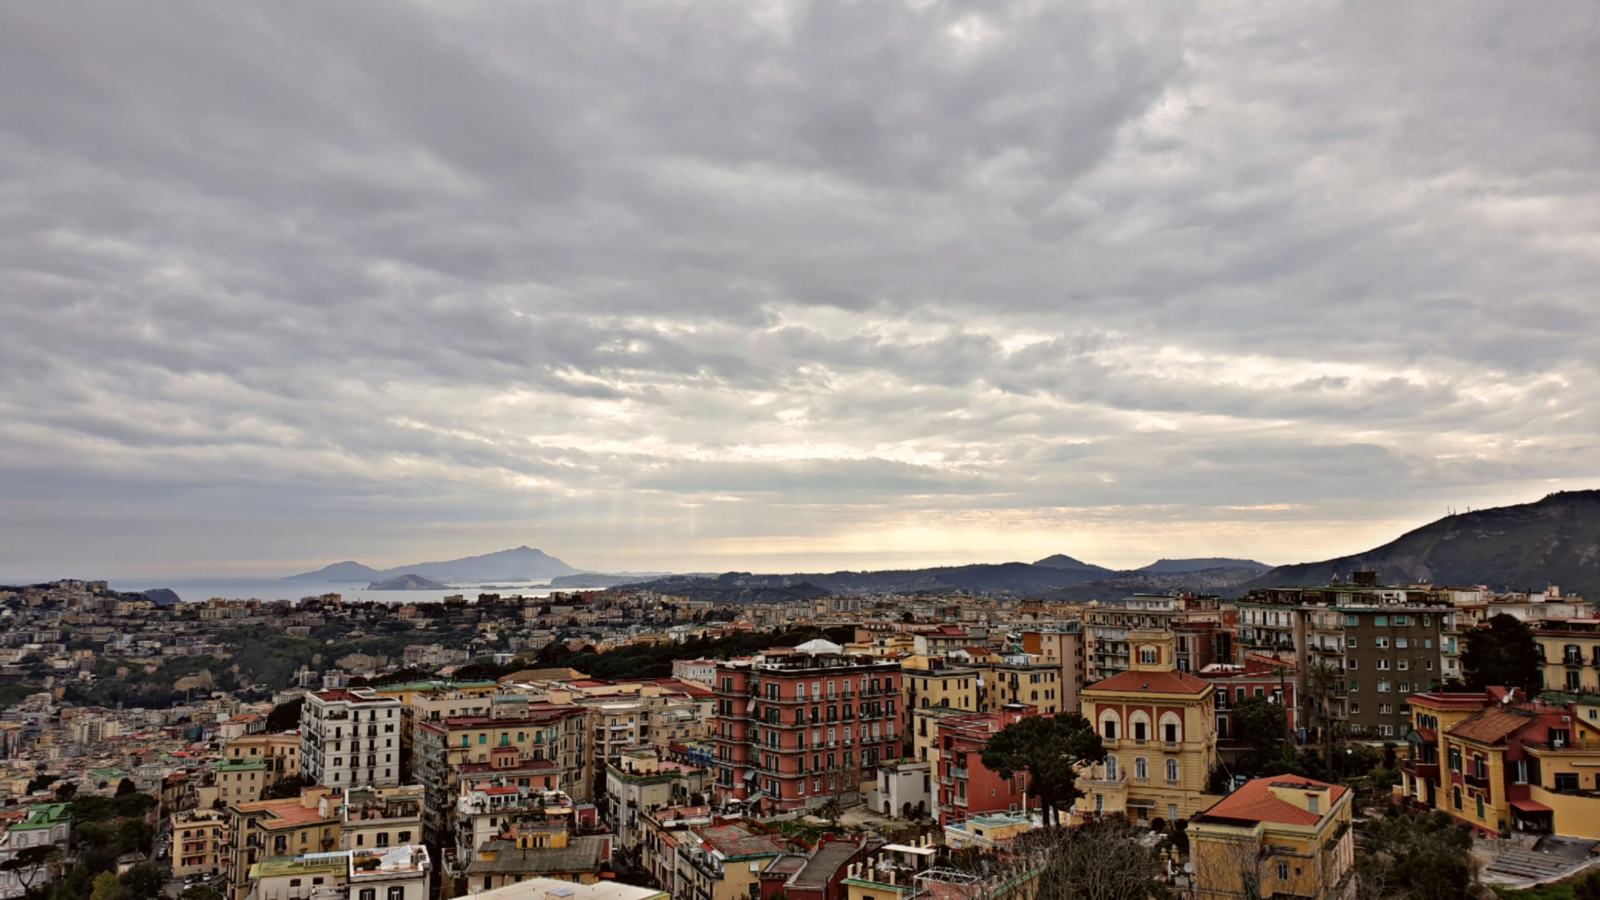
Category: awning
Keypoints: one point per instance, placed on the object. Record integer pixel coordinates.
(1529, 806)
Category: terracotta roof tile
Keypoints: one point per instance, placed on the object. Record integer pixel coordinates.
(1494, 724)
(1152, 682)
(1255, 802)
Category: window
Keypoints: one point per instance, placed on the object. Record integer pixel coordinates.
(1111, 768)
(1351, 621)
(1283, 870)
(1455, 797)
(1383, 687)
(1314, 804)
(1402, 664)
(1350, 642)
(1400, 621)
(369, 894)
(1383, 665)
(1381, 643)
(1350, 664)
(1480, 806)
(1400, 643)
(397, 893)
(1172, 771)
(1141, 769)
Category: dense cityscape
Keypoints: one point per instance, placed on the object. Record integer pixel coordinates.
(799, 450)
(628, 743)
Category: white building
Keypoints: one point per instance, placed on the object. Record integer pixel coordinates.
(350, 738)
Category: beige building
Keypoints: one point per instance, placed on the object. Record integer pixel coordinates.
(1158, 726)
(199, 842)
(1281, 836)
(380, 818)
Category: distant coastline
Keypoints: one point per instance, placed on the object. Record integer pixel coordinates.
(192, 590)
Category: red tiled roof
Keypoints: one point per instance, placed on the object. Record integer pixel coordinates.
(1255, 802)
(1494, 724)
(1152, 682)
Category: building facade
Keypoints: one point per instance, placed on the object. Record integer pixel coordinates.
(793, 730)
(1158, 726)
(350, 738)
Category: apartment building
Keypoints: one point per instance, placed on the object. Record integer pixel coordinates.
(1108, 623)
(1065, 647)
(1014, 679)
(723, 860)
(1158, 726)
(966, 787)
(293, 826)
(545, 748)
(1569, 653)
(350, 738)
(641, 781)
(1497, 763)
(381, 818)
(793, 730)
(239, 780)
(936, 682)
(279, 752)
(1359, 648)
(199, 842)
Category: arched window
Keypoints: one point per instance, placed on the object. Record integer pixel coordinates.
(1139, 725)
(1171, 727)
(1109, 722)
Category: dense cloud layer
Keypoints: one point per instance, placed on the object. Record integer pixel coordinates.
(768, 285)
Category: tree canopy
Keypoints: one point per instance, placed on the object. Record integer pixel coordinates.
(1426, 857)
(1046, 748)
(1502, 653)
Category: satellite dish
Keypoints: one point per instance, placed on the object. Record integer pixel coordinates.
(1188, 868)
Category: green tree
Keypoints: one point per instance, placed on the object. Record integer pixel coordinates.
(1588, 888)
(285, 716)
(107, 887)
(1423, 857)
(1259, 724)
(32, 864)
(1502, 653)
(200, 892)
(1047, 748)
(142, 882)
(126, 787)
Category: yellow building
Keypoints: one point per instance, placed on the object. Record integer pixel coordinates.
(199, 839)
(264, 829)
(1500, 764)
(239, 780)
(1280, 836)
(1021, 678)
(1158, 726)
(933, 683)
(1569, 651)
(279, 752)
(723, 861)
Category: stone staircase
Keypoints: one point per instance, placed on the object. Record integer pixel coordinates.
(1528, 865)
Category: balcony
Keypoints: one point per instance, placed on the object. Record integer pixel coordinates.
(1117, 780)
(1478, 781)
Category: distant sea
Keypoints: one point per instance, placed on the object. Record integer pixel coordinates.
(196, 589)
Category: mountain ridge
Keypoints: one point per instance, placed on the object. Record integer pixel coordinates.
(1524, 546)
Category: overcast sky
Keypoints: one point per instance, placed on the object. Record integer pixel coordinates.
(781, 286)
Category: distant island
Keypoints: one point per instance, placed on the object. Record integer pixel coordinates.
(408, 582)
(517, 564)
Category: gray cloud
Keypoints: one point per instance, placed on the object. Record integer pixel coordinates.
(692, 285)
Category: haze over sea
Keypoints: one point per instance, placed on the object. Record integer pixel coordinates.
(196, 589)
